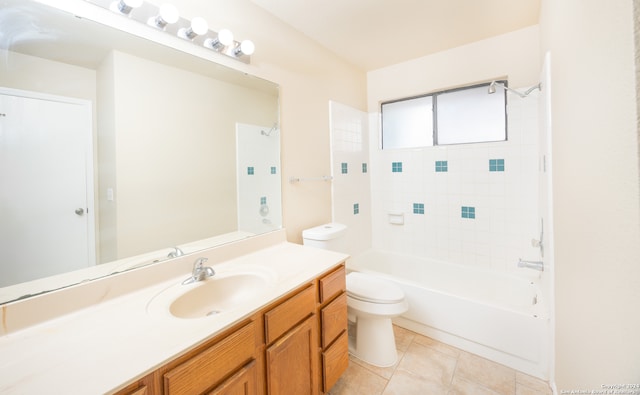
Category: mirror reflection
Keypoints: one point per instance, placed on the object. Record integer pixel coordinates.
(116, 152)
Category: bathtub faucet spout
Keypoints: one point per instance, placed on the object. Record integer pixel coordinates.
(536, 265)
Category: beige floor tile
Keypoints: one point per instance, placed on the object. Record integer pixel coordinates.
(430, 365)
(461, 386)
(409, 383)
(494, 376)
(443, 348)
(524, 382)
(357, 381)
(382, 372)
(403, 337)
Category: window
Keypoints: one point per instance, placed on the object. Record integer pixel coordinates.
(466, 115)
(408, 123)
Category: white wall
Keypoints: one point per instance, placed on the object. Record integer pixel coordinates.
(351, 170)
(506, 202)
(596, 192)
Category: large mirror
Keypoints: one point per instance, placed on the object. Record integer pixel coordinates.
(117, 151)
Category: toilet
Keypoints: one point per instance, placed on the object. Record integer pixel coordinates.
(371, 302)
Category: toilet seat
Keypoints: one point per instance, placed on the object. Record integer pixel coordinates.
(370, 289)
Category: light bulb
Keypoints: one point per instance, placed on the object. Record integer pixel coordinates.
(224, 39)
(198, 27)
(168, 14)
(125, 6)
(246, 47)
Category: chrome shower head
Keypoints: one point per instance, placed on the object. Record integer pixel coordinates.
(492, 88)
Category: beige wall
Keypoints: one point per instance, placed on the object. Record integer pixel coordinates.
(596, 192)
(309, 76)
(514, 55)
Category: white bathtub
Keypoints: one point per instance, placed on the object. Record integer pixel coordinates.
(499, 316)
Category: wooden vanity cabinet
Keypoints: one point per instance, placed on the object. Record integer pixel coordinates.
(296, 345)
(291, 356)
(225, 366)
(334, 340)
(144, 386)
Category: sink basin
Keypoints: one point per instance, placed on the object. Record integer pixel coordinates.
(217, 295)
(225, 292)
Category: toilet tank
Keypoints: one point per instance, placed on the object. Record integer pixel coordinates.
(328, 236)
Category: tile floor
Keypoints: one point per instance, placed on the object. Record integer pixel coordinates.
(426, 367)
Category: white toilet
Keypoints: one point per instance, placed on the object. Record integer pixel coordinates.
(371, 303)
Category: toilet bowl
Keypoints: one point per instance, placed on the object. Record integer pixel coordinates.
(371, 303)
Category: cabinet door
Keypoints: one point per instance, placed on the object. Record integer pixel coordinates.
(292, 362)
(244, 382)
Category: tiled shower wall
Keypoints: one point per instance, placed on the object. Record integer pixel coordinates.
(351, 191)
(473, 204)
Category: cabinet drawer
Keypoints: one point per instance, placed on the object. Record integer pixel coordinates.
(211, 365)
(332, 284)
(335, 361)
(334, 319)
(283, 317)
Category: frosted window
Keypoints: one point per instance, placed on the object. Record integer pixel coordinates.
(407, 123)
(471, 116)
(467, 115)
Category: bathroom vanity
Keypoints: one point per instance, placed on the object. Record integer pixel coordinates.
(287, 334)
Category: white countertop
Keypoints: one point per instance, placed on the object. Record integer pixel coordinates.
(101, 347)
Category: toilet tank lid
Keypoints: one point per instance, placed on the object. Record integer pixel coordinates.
(325, 232)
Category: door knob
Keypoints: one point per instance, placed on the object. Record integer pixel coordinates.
(80, 211)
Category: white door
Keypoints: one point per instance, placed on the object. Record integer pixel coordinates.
(46, 207)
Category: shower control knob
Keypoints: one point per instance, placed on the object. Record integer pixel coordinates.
(80, 211)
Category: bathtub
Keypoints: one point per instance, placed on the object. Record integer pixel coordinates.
(498, 316)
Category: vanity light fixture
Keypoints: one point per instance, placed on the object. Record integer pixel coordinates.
(199, 27)
(224, 39)
(246, 47)
(126, 6)
(166, 19)
(167, 15)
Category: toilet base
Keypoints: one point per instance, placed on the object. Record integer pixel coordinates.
(374, 342)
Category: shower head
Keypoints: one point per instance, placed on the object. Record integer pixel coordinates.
(274, 127)
(492, 88)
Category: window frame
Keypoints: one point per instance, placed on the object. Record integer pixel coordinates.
(434, 96)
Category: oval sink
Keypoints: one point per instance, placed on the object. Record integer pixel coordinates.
(217, 295)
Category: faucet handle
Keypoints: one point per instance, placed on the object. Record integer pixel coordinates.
(199, 262)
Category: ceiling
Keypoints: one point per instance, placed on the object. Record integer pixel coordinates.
(372, 34)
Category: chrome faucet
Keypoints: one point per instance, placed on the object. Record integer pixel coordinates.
(200, 272)
(535, 265)
(175, 253)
